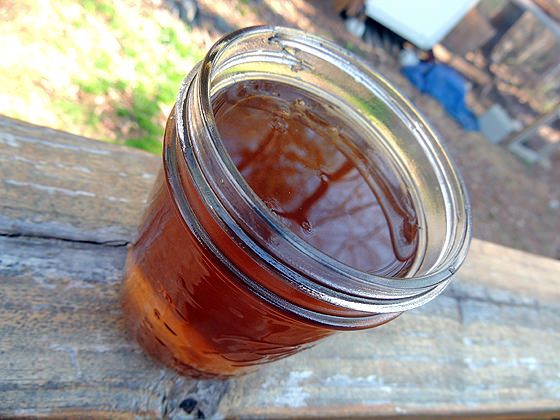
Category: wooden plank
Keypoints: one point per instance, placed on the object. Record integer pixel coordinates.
(56, 184)
(469, 34)
(543, 18)
(63, 346)
(467, 69)
(487, 346)
(532, 129)
(68, 208)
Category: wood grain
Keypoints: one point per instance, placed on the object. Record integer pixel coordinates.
(68, 207)
(489, 345)
(56, 184)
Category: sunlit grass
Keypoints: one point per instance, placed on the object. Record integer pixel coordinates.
(107, 69)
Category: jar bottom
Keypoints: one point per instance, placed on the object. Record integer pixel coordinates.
(145, 313)
(188, 311)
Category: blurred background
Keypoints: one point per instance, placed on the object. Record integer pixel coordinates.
(485, 74)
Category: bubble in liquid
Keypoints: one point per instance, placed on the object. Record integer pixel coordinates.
(333, 130)
(300, 104)
(272, 204)
(306, 226)
(280, 124)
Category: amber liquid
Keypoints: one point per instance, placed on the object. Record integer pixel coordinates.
(298, 156)
(188, 309)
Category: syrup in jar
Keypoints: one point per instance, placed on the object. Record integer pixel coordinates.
(297, 156)
(299, 195)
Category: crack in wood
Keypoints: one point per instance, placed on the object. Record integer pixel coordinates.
(112, 243)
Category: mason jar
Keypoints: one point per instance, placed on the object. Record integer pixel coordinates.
(216, 283)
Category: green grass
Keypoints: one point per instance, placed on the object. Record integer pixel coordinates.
(352, 47)
(71, 109)
(104, 8)
(149, 144)
(108, 69)
(156, 86)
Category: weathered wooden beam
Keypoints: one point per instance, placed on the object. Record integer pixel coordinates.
(63, 347)
(69, 206)
(56, 184)
(532, 130)
(489, 345)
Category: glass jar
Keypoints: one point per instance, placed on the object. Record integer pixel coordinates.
(215, 284)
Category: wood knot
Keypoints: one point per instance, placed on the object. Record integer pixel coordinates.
(188, 405)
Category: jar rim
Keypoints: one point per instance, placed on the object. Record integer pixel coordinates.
(377, 293)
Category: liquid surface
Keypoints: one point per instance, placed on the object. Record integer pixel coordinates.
(300, 160)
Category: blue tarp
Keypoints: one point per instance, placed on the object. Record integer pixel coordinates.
(447, 86)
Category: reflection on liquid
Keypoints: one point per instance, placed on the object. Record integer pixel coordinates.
(290, 152)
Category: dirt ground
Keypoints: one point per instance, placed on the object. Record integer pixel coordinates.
(513, 204)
